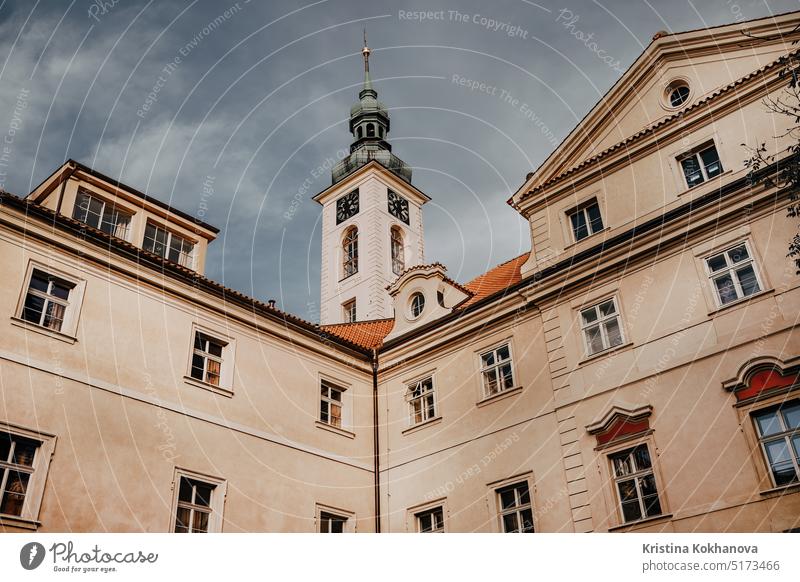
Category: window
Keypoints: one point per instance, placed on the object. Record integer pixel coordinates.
(370, 130)
(678, 94)
(99, 214)
(350, 248)
(701, 165)
(422, 401)
(635, 483)
(330, 404)
(47, 300)
(601, 327)
(331, 522)
(168, 245)
(417, 304)
(194, 506)
(586, 220)
(349, 310)
(24, 459)
(733, 274)
(430, 520)
(207, 359)
(779, 434)
(516, 512)
(496, 370)
(398, 259)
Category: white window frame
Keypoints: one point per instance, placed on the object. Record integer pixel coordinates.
(636, 476)
(583, 208)
(348, 517)
(216, 503)
(190, 256)
(350, 252)
(732, 270)
(73, 303)
(498, 486)
(227, 361)
(425, 414)
(786, 434)
(485, 394)
(695, 153)
(114, 210)
(350, 311)
(416, 305)
(29, 517)
(601, 321)
(438, 527)
(329, 401)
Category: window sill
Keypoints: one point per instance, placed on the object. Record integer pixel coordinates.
(19, 522)
(210, 387)
(606, 352)
(702, 186)
(335, 430)
(499, 396)
(424, 424)
(343, 279)
(646, 521)
(43, 330)
(740, 302)
(782, 490)
(574, 242)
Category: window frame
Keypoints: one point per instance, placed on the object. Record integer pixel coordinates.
(397, 249)
(430, 511)
(348, 517)
(216, 503)
(192, 255)
(696, 153)
(425, 415)
(618, 449)
(332, 385)
(787, 435)
(599, 322)
(34, 492)
(350, 311)
(731, 270)
(583, 208)
(227, 360)
(116, 210)
(349, 248)
(496, 487)
(485, 394)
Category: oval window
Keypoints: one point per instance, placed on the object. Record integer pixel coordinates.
(678, 94)
(417, 304)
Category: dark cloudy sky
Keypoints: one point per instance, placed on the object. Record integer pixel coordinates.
(258, 101)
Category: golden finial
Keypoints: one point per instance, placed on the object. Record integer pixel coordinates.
(365, 51)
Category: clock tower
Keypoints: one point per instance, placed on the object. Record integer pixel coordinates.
(371, 218)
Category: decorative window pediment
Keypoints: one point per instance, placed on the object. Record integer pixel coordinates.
(762, 376)
(621, 422)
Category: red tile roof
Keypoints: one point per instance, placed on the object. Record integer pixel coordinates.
(368, 334)
(501, 277)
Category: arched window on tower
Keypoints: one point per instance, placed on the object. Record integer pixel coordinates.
(350, 248)
(370, 130)
(398, 254)
(360, 132)
(380, 131)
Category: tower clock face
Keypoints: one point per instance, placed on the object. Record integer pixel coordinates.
(346, 206)
(398, 206)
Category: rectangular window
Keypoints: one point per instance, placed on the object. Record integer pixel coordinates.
(516, 512)
(168, 245)
(700, 165)
(496, 370)
(17, 455)
(422, 400)
(779, 435)
(331, 522)
(194, 506)
(47, 300)
(430, 520)
(601, 326)
(349, 311)
(207, 359)
(586, 220)
(733, 274)
(635, 483)
(100, 214)
(330, 404)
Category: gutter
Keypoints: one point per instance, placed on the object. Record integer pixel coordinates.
(375, 442)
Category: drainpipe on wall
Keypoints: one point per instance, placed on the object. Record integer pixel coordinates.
(376, 450)
(72, 169)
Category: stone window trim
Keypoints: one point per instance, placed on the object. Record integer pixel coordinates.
(732, 269)
(69, 326)
(324, 512)
(602, 322)
(345, 426)
(29, 518)
(621, 424)
(589, 221)
(217, 501)
(494, 501)
(569, 205)
(227, 364)
(412, 513)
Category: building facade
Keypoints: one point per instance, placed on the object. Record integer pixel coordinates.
(637, 370)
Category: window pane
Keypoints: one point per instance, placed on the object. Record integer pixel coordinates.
(627, 490)
(202, 495)
(54, 316)
(24, 451)
(524, 494)
(589, 315)
(5, 446)
(508, 378)
(652, 506)
(641, 456)
(416, 411)
(212, 372)
(182, 520)
(527, 520)
(337, 525)
(488, 359)
(607, 309)
(738, 254)
(691, 170)
(323, 411)
(747, 280)
(631, 511)
(185, 491)
(791, 415)
(711, 162)
(336, 415)
(594, 340)
(336, 395)
(60, 290)
(14, 496)
(200, 524)
(623, 465)
(613, 332)
(507, 498)
(780, 461)
(430, 408)
(32, 311)
(768, 423)
(579, 228)
(796, 445)
(595, 220)
(39, 281)
(716, 263)
(503, 353)
(215, 349)
(490, 381)
(725, 289)
(510, 523)
(425, 522)
(197, 366)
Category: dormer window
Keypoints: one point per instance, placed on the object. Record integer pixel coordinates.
(98, 213)
(700, 165)
(417, 304)
(168, 245)
(585, 220)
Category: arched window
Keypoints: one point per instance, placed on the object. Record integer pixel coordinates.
(370, 130)
(350, 248)
(380, 131)
(398, 254)
(359, 132)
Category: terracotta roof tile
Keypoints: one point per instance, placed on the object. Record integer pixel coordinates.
(367, 334)
(501, 277)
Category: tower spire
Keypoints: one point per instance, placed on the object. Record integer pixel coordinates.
(367, 81)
